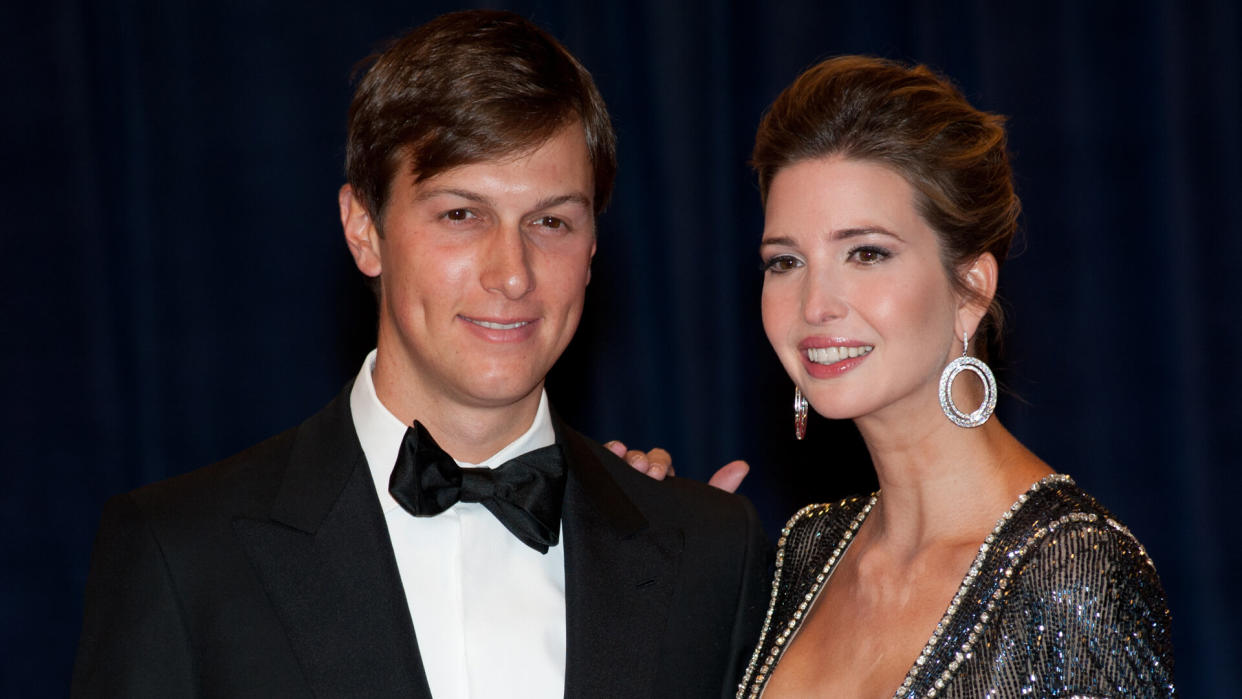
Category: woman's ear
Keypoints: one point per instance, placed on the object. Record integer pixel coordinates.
(980, 277)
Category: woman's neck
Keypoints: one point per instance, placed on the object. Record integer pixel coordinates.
(943, 484)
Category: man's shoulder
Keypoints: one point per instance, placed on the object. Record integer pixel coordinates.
(673, 498)
(246, 483)
(247, 475)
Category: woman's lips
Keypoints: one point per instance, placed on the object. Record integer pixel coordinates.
(823, 360)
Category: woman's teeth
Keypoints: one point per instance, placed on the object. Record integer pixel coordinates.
(832, 355)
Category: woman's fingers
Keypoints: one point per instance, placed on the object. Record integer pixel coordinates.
(730, 476)
(656, 463)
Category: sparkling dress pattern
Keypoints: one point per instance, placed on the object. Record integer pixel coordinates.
(1061, 601)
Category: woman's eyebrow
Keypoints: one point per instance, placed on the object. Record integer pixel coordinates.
(841, 234)
(845, 233)
(776, 241)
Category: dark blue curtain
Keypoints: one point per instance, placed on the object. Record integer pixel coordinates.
(177, 287)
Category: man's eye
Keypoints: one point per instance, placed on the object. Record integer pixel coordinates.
(781, 263)
(458, 214)
(550, 222)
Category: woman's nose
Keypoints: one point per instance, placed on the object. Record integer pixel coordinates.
(822, 300)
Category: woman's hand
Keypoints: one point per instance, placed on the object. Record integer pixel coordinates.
(658, 464)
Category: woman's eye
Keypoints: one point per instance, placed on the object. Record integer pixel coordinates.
(869, 255)
(781, 263)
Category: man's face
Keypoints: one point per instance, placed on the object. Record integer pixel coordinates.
(483, 269)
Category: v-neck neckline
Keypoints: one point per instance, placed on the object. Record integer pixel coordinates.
(947, 621)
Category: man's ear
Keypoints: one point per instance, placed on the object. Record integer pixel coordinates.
(361, 235)
(590, 261)
(980, 277)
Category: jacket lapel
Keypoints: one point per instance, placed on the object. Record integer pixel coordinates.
(326, 561)
(619, 579)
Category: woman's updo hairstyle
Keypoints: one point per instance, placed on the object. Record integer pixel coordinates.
(920, 125)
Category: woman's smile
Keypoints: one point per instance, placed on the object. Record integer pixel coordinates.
(854, 286)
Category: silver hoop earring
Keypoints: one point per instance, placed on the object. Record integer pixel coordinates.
(977, 367)
(799, 414)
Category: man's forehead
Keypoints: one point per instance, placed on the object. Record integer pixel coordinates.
(570, 138)
(557, 168)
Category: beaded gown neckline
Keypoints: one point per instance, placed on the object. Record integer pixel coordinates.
(958, 616)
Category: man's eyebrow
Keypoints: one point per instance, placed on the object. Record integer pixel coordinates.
(549, 202)
(463, 193)
(574, 198)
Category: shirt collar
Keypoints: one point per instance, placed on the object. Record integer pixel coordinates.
(380, 432)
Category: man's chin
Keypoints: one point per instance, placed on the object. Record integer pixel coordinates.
(502, 394)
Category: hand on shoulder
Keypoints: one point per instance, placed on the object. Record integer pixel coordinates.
(658, 464)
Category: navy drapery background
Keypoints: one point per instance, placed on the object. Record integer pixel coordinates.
(177, 287)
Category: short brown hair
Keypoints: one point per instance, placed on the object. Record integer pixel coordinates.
(920, 125)
(466, 87)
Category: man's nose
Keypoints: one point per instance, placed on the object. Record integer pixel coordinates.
(506, 265)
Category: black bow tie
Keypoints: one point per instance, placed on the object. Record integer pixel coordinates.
(523, 493)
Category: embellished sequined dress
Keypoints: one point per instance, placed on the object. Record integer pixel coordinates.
(1060, 601)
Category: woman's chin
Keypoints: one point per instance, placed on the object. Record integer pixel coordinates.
(836, 411)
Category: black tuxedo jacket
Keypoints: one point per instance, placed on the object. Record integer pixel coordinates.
(272, 574)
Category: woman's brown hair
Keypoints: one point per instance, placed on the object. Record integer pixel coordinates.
(917, 123)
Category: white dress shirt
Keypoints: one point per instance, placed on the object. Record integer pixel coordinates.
(488, 610)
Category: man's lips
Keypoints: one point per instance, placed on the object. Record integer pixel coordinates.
(497, 324)
(503, 330)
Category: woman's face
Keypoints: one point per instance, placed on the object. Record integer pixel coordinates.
(856, 301)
